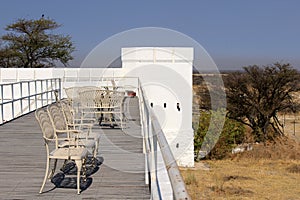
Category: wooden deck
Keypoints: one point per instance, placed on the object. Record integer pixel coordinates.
(23, 157)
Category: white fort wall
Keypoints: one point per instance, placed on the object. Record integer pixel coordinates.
(165, 74)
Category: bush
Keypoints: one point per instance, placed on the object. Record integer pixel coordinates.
(233, 133)
(294, 168)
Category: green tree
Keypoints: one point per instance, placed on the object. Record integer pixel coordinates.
(6, 57)
(256, 95)
(218, 145)
(32, 43)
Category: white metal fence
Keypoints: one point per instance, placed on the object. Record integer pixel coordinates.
(156, 145)
(161, 170)
(19, 98)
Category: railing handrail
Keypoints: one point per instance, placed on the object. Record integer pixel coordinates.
(25, 81)
(32, 97)
(153, 135)
(157, 135)
(96, 78)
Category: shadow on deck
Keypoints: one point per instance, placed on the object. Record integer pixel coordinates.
(120, 174)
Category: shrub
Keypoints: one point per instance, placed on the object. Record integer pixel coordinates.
(294, 168)
(190, 179)
(233, 133)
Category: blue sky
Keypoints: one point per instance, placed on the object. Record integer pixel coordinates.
(235, 33)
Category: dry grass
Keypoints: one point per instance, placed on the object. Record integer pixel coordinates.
(245, 179)
(270, 171)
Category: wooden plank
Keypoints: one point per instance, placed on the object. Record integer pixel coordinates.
(23, 157)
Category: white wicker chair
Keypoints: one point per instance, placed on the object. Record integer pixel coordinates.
(84, 137)
(73, 95)
(88, 138)
(70, 152)
(103, 102)
(73, 92)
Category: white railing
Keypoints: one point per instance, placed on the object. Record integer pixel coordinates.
(119, 83)
(155, 143)
(23, 97)
(153, 135)
(19, 98)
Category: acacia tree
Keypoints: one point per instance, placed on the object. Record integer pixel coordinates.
(32, 43)
(256, 95)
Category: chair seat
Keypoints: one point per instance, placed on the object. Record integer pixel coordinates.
(86, 143)
(91, 135)
(69, 153)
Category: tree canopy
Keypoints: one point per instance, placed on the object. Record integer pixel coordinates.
(257, 94)
(32, 43)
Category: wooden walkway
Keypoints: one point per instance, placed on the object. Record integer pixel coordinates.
(23, 157)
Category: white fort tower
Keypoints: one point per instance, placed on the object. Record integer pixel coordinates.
(166, 76)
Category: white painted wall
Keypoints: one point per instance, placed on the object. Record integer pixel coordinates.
(166, 76)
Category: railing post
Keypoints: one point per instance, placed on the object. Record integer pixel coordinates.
(41, 93)
(59, 88)
(21, 95)
(47, 94)
(51, 90)
(145, 139)
(154, 136)
(154, 192)
(2, 107)
(12, 103)
(144, 124)
(35, 94)
(28, 87)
